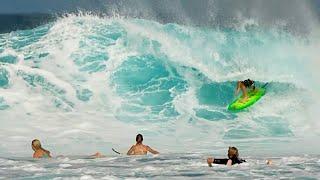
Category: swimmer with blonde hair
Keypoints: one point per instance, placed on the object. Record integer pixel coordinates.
(233, 158)
(39, 152)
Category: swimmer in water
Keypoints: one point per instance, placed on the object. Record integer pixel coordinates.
(39, 152)
(139, 148)
(233, 158)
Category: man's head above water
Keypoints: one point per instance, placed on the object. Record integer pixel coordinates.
(139, 138)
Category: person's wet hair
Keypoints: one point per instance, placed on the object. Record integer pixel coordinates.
(139, 138)
(233, 152)
(36, 144)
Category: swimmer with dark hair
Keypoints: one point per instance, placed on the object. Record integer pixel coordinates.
(243, 86)
(139, 148)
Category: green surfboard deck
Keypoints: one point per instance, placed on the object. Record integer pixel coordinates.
(253, 97)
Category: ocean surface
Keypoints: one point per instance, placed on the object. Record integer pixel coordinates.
(84, 83)
(173, 166)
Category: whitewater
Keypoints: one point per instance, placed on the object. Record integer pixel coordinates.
(86, 83)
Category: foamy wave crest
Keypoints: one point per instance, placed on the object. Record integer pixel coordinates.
(85, 79)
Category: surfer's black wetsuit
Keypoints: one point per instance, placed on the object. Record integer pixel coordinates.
(224, 161)
(248, 83)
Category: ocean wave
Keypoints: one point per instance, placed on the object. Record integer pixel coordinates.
(85, 78)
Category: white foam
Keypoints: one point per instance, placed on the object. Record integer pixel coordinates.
(86, 127)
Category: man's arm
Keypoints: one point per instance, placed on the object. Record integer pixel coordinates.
(210, 161)
(229, 163)
(152, 151)
(48, 152)
(236, 92)
(130, 150)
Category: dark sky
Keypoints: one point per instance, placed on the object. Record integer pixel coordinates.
(53, 6)
(300, 15)
(46, 6)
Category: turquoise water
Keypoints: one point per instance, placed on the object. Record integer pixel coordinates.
(84, 83)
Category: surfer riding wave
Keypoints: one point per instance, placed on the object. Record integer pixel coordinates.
(243, 85)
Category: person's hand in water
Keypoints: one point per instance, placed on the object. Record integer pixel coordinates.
(98, 155)
(269, 162)
(210, 161)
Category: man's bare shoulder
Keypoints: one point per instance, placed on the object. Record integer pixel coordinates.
(37, 154)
